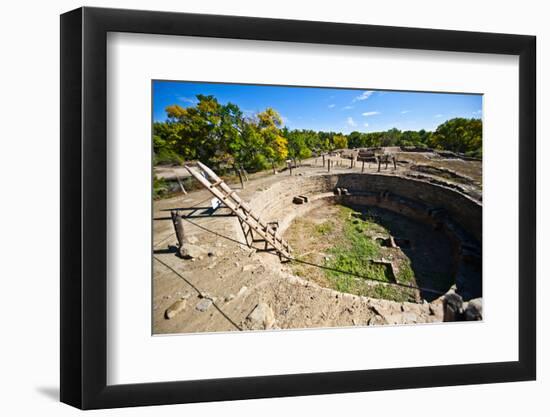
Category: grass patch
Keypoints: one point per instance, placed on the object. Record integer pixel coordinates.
(405, 274)
(346, 242)
(354, 253)
(324, 228)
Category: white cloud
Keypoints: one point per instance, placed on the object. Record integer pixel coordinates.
(438, 115)
(188, 99)
(405, 111)
(331, 106)
(347, 107)
(366, 124)
(365, 95)
(370, 113)
(351, 122)
(477, 112)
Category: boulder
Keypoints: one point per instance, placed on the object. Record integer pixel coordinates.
(175, 309)
(452, 307)
(474, 310)
(262, 317)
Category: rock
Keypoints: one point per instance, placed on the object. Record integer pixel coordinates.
(409, 318)
(394, 318)
(434, 309)
(175, 309)
(474, 310)
(452, 307)
(261, 317)
(190, 251)
(204, 304)
(242, 291)
(377, 321)
(211, 254)
(412, 308)
(229, 297)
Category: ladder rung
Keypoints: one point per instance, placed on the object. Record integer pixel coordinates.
(242, 210)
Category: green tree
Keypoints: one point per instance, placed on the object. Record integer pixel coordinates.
(340, 141)
(275, 145)
(459, 135)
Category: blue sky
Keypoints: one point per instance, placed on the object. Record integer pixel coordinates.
(328, 109)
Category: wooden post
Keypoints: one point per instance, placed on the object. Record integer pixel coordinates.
(240, 176)
(379, 162)
(323, 161)
(273, 167)
(394, 163)
(289, 165)
(328, 165)
(363, 167)
(180, 183)
(178, 227)
(351, 163)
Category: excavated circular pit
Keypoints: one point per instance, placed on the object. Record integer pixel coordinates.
(379, 235)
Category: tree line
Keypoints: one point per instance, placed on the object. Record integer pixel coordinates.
(222, 135)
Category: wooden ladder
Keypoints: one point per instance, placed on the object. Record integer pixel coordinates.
(251, 223)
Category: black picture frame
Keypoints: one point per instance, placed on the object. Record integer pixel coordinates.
(84, 207)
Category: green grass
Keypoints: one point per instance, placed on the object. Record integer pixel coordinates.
(406, 274)
(324, 228)
(160, 187)
(354, 254)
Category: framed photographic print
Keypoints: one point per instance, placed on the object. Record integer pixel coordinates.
(257, 208)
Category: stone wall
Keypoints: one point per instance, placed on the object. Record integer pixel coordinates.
(462, 209)
(275, 202)
(457, 215)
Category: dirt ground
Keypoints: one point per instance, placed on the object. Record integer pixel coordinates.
(229, 287)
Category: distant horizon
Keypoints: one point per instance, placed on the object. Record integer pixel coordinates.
(342, 110)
